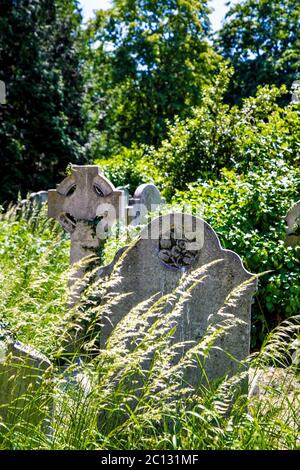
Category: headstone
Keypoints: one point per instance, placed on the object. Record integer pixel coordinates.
(78, 201)
(168, 248)
(293, 226)
(22, 370)
(146, 199)
(26, 208)
(39, 198)
(87, 204)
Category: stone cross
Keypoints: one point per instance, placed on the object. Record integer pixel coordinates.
(79, 202)
(87, 204)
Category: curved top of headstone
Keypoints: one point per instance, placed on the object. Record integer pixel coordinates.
(39, 197)
(148, 195)
(178, 242)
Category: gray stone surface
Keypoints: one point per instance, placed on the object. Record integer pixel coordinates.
(87, 205)
(146, 199)
(2, 92)
(295, 90)
(78, 201)
(293, 226)
(21, 372)
(26, 207)
(180, 244)
(39, 198)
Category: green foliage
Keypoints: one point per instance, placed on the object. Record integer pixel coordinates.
(259, 143)
(218, 136)
(129, 168)
(41, 125)
(154, 111)
(34, 258)
(91, 397)
(247, 212)
(147, 62)
(261, 40)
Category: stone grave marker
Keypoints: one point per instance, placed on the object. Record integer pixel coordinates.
(168, 247)
(35, 200)
(146, 199)
(78, 201)
(293, 226)
(87, 204)
(22, 370)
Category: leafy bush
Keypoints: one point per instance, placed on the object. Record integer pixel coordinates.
(247, 212)
(217, 136)
(129, 169)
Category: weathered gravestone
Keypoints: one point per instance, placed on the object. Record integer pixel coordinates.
(39, 198)
(293, 226)
(170, 246)
(35, 201)
(87, 204)
(146, 199)
(2, 92)
(22, 370)
(79, 202)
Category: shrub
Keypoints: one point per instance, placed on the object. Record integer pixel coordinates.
(129, 169)
(217, 136)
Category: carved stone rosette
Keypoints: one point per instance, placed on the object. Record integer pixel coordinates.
(174, 252)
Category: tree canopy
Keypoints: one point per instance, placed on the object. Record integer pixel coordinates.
(261, 40)
(77, 94)
(41, 124)
(148, 62)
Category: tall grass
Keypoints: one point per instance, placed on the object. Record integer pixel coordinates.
(132, 394)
